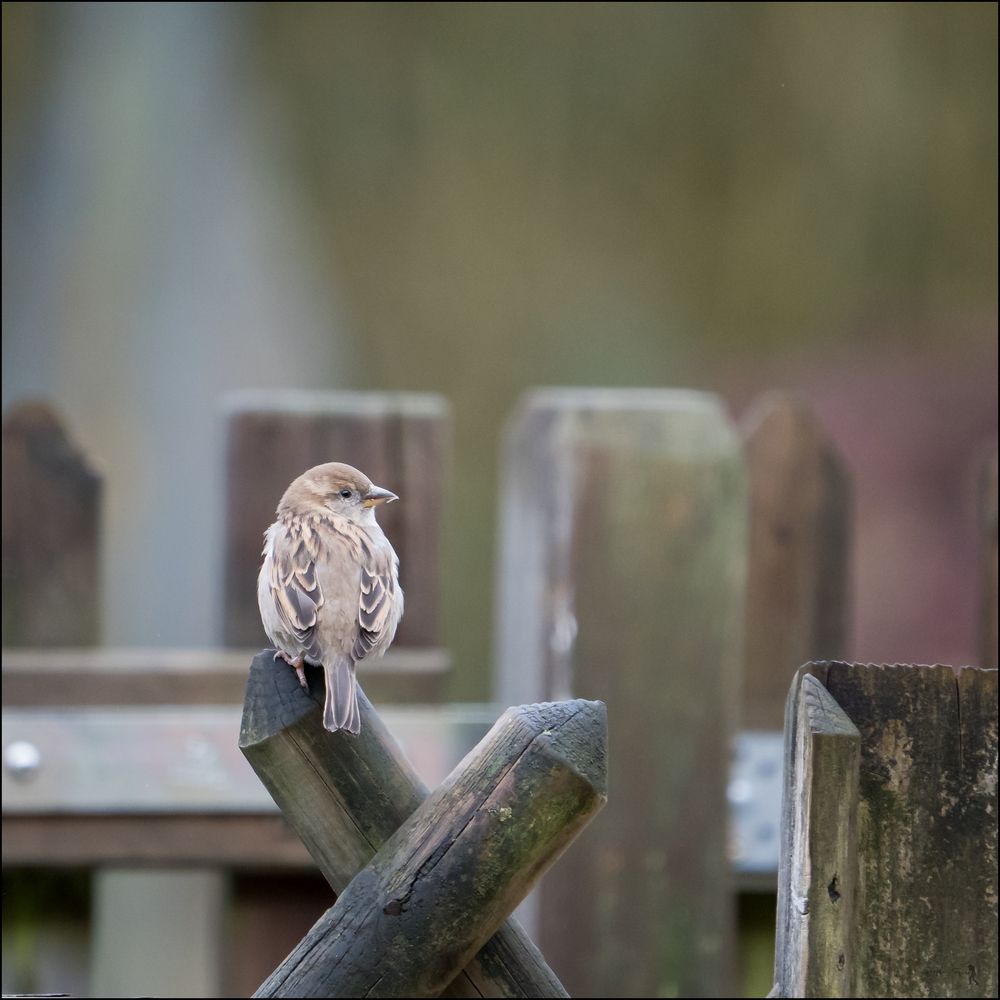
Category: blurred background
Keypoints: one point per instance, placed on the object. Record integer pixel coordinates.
(473, 199)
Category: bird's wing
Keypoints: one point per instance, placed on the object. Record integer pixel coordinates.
(294, 584)
(378, 612)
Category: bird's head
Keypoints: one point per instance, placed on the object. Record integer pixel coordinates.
(337, 489)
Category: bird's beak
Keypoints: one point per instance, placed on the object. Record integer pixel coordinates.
(376, 495)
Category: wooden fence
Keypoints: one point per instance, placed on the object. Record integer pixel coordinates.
(181, 822)
(626, 508)
(888, 878)
(648, 884)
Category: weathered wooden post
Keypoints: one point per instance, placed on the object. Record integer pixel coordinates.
(816, 913)
(51, 598)
(796, 603)
(439, 887)
(400, 440)
(988, 562)
(622, 560)
(51, 528)
(346, 796)
(51, 560)
(888, 881)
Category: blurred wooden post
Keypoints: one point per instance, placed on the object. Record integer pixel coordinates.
(51, 598)
(399, 440)
(439, 887)
(988, 562)
(622, 561)
(346, 796)
(158, 932)
(910, 908)
(51, 528)
(796, 603)
(51, 566)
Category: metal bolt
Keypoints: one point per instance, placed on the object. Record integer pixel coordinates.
(21, 759)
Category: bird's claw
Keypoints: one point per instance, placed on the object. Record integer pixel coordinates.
(297, 664)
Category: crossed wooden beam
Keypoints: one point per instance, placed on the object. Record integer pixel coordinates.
(425, 882)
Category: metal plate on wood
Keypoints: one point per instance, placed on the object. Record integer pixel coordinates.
(754, 794)
(168, 759)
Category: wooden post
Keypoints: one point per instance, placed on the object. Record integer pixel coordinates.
(158, 932)
(818, 867)
(796, 604)
(988, 562)
(444, 881)
(51, 519)
(346, 796)
(622, 560)
(919, 918)
(400, 440)
(51, 598)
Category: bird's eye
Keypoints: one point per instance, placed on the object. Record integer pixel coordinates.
(346, 494)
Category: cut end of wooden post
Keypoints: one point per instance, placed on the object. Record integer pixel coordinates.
(274, 699)
(823, 714)
(576, 732)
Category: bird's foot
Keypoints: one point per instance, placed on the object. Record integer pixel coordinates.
(297, 664)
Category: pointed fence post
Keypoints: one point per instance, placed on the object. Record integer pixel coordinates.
(51, 530)
(796, 605)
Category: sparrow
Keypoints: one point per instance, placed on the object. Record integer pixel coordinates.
(328, 589)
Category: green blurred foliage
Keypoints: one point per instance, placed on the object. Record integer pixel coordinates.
(756, 915)
(44, 936)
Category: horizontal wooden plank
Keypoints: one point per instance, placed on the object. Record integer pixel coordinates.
(114, 676)
(182, 759)
(251, 841)
(122, 760)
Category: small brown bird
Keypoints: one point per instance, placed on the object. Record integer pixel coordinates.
(328, 590)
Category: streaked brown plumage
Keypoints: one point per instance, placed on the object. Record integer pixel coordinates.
(328, 589)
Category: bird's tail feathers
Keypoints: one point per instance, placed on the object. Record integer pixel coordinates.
(340, 709)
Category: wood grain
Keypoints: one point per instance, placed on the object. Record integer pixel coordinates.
(346, 796)
(924, 915)
(818, 864)
(439, 887)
